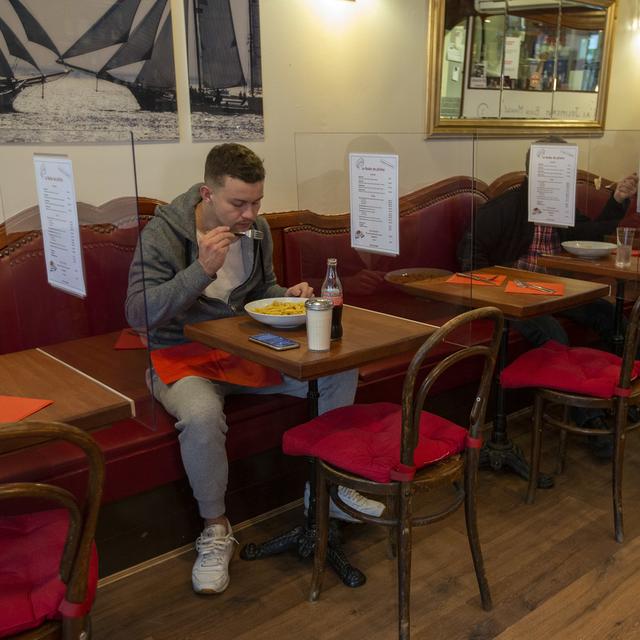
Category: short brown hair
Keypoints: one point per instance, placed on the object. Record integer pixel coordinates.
(234, 160)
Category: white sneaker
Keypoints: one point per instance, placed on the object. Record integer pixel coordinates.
(215, 548)
(351, 497)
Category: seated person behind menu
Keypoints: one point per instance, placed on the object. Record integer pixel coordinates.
(502, 235)
(193, 264)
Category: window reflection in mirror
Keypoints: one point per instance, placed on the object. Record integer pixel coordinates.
(523, 59)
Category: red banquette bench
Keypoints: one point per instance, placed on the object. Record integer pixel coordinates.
(142, 453)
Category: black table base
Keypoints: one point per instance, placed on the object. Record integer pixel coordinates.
(509, 456)
(302, 539)
(500, 452)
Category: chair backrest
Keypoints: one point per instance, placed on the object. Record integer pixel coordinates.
(83, 516)
(415, 393)
(631, 340)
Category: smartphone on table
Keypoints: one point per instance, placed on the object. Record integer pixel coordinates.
(279, 343)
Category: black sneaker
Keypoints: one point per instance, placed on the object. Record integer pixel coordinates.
(633, 415)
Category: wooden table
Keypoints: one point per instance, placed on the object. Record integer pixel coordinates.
(77, 399)
(601, 267)
(122, 370)
(367, 336)
(514, 306)
(500, 452)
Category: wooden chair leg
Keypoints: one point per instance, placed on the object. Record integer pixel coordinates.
(322, 533)
(392, 536)
(404, 561)
(76, 628)
(536, 444)
(471, 518)
(562, 449)
(616, 480)
(562, 452)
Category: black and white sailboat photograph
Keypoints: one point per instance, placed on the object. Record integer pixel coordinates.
(225, 69)
(86, 71)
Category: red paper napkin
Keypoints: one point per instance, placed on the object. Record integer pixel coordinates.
(497, 279)
(13, 408)
(558, 288)
(129, 339)
(194, 359)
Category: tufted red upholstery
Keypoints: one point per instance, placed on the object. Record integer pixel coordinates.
(429, 237)
(575, 369)
(107, 254)
(30, 588)
(365, 439)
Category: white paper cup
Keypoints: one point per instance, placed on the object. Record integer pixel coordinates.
(624, 236)
(318, 323)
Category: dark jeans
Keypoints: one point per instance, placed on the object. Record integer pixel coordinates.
(596, 315)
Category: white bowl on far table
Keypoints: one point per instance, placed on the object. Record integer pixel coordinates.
(279, 321)
(588, 248)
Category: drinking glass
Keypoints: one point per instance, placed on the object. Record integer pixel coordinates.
(625, 244)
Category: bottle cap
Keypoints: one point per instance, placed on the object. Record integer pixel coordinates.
(318, 304)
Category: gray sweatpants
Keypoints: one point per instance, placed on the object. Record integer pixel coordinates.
(198, 405)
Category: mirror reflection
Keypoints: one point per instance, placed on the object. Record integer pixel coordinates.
(521, 60)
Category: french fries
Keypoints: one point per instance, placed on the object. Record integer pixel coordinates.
(281, 308)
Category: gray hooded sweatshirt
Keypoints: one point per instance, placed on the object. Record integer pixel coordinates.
(166, 281)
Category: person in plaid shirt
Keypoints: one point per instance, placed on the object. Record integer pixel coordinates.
(501, 234)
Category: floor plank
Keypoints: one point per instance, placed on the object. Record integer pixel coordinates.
(554, 568)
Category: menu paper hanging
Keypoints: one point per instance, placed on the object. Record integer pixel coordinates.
(553, 171)
(59, 220)
(373, 185)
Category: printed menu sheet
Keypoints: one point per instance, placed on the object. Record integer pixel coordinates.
(552, 184)
(374, 203)
(59, 220)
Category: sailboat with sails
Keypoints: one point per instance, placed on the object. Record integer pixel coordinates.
(150, 43)
(11, 84)
(217, 60)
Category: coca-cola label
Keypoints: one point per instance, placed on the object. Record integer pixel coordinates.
(336, 300)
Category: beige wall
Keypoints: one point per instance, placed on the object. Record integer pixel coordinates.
(334, 72)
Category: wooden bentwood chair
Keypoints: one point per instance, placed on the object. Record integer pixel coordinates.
(384, 449)
(48, 560)
(567, 377)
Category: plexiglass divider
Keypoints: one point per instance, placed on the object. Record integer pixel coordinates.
(602, 161)
(43, 304)
(437, 194)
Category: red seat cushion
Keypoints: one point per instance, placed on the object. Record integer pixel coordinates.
(574, 369)
(365, 439)
(30, 588)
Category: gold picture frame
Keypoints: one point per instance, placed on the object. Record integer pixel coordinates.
(595, 19)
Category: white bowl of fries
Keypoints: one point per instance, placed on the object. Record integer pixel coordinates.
(283, 313)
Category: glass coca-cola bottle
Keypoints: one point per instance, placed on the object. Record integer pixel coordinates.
(332, 289)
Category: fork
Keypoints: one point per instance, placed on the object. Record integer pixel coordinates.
(254, 234)
(528, 285)
(473, 276)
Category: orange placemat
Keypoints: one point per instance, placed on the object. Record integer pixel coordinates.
(129, 339)
(496, 280)
(194, 359)
(558, 288)
(13, 408)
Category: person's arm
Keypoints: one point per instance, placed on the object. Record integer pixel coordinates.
(158, 289)
(612, 212)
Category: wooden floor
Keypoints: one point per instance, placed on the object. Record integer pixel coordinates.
(555, 571)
